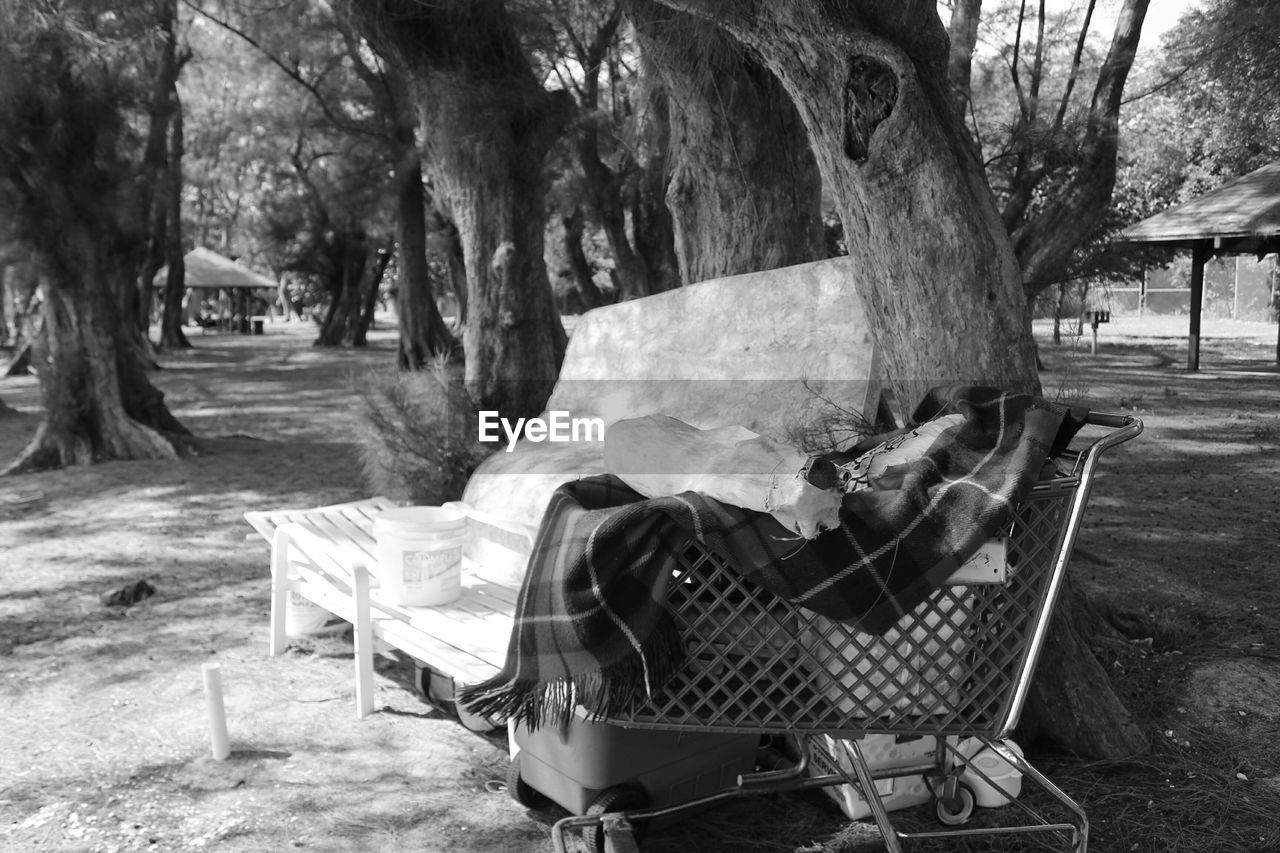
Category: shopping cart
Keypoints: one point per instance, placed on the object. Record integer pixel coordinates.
(958, 666)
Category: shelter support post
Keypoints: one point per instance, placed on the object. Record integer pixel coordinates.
(1200, 253)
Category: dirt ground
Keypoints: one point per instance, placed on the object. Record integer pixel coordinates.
(103, 736)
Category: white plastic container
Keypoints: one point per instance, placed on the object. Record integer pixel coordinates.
(881, 752)
(1006, 779)
(303, 617)
(420, 555)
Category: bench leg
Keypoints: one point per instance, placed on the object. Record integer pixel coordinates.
(279, 591)
(364, 644)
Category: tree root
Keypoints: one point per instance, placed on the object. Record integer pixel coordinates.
(131, 441)
(1072, 704)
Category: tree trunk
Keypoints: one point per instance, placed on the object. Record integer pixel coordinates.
(938, 277)
(487, 126)
(423, 333)
(369, 296)
(346, 255)
(605, 184)
(745, 193)
(445, 242)
(171, 317)
(655, 235)
(98, 401)
(605, 187)
(1071, 705)
(21, 295)
(488, 154)
(919, 218)
(158, 171)
(587, 290)
(5, 303)
(963, 31)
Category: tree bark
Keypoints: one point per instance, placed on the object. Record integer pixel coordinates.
(938, 277)
(921, 223)
(157, 175)
(745, 193)
(98, 401)
(445, 242)
(423, 333)
(587, 290)
(655, 235)
(1071, 705)
(346, 253)
(171, 317)
(369, 295)
(487, 126)
(963, 31)
(514, 340)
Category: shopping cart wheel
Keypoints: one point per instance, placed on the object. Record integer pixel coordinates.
(521, 791)
(619, 798)
(955, 810)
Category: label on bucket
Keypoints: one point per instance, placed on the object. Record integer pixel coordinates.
(422, 567)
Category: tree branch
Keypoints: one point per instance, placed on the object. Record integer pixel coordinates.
(345, 123)
(963, 30)
(1037, 68)
(1013, 65)
(1075, 66)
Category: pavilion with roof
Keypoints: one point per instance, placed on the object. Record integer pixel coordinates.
(224, 286)
(1241, 217)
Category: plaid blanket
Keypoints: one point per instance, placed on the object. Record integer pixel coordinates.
(591, 624)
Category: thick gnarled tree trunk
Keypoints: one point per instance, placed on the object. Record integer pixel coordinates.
(79, 198)
(938, 276)
(98, 402)
(487, 126)
(346, 258)
(745, 193)
(919, 218)
(487, 150)
(423, 333)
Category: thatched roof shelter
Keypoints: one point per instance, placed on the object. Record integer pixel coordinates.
(209, 270)
(220, 288)
(1241, 217)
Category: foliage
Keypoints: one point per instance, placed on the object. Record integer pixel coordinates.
(1222, 64)
(1044, 107)
(1028, 102)
(70, 94)
(418, 444)
(610, 152)
(286, 144)
(1208, 111)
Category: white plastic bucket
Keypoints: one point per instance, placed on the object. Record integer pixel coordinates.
(302, 616)
(1006, 779)
(420, 555)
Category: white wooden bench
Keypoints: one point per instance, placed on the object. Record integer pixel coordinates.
(759, 350)
(328, 555)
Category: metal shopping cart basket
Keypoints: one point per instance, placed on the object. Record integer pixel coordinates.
(959, 666)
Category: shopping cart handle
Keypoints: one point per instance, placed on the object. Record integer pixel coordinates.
(1108, 419)
(1123, 428)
